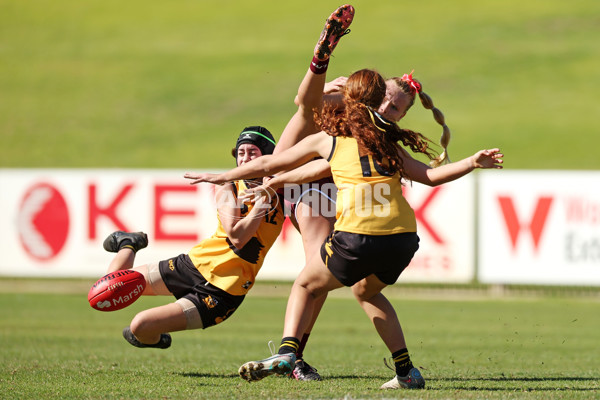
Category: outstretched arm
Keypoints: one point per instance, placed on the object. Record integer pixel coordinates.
(308, 172)
(317, 145)
(422, 173)
(311, 171)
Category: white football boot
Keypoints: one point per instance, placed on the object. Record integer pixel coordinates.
(280, 364)
(414, 380)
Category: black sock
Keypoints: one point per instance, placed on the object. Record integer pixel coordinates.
(402, 362)
(126, 243)
(319, 66)
(300, 351)
(289, 345)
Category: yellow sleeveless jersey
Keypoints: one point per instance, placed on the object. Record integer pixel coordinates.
(369, 201)
(229, 268)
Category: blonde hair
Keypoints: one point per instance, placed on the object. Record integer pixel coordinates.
(411, 87)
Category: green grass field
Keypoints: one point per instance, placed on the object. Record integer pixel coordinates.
(472, 346)
(142, 84)
(171, 84)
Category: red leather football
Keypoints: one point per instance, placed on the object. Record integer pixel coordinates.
(116, 290)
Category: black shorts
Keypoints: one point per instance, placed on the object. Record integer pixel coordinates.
(350, 257)
(183, 280)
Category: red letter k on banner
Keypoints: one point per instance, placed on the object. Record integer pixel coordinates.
(536, 225)
(109, 211)
(422, 218)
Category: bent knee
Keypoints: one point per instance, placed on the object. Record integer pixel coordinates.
(139, 324)
(359, 290)
(312, 288)
(364, 291)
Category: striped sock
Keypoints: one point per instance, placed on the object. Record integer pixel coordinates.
(289, 345)
(402, 362)
(126, 244)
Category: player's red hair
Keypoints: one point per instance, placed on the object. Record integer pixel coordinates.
(363, 93)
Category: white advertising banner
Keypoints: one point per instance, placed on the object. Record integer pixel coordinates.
(446, 226)
(539, 227)
(53, 223)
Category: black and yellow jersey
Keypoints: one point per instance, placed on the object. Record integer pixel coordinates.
(229, 268)
(369, 201)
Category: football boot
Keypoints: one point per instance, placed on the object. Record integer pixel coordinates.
(131, 240)
(280, 364)
(305, 372)
(336, 26)
(163, 343)
(414, 380)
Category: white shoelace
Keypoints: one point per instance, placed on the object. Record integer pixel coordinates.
(271, 346)
(385, 361)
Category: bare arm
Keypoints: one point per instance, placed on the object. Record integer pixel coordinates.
(317, 145)
(422, 173)
(239, 229)
(311, 171)
(308, 172)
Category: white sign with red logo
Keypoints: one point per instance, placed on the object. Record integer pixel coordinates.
(446, 226)
(539, 227)
(54, 222)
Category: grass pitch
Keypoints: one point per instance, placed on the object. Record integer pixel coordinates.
(56, 346)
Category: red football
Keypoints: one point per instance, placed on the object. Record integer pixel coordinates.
(116, 290)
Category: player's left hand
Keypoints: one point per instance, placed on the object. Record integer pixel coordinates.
(336, 85)
(490, 158)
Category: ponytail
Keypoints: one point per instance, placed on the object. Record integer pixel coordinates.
(415, 87)
(439, 118)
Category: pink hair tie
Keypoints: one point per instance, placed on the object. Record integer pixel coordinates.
(413, 83)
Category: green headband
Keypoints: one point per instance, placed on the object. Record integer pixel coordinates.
(261, 135)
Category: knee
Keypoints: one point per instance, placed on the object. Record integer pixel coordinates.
(306, 287)
(365, 292)
(311, 288)
(138, 324)
(359, 290)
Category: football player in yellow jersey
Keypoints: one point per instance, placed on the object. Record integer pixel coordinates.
(306, 203)
(212, 279)
(374, 237)
(310, 204)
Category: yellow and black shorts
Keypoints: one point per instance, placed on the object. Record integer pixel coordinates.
(185, 281)
(350, 257)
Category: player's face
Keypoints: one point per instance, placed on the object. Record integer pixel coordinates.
(247, 152)
(395, 103)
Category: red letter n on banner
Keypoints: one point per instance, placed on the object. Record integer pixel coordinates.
(514, 226)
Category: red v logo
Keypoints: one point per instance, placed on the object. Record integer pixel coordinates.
(536, 225)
